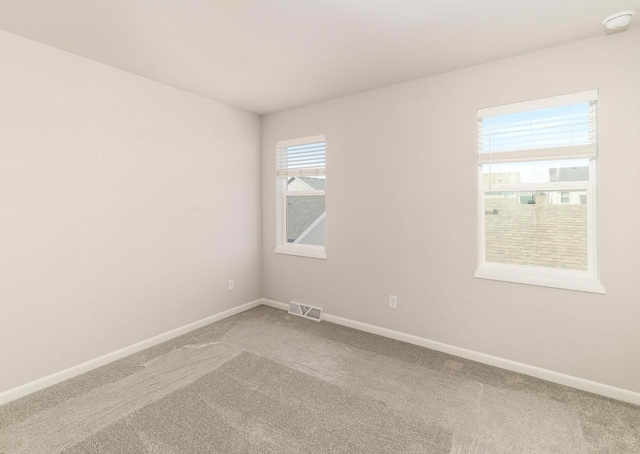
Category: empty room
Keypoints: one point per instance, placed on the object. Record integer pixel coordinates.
(319, 226)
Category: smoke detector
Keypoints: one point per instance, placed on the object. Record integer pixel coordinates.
(618, 20)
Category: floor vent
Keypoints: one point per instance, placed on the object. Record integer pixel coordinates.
(313, 313)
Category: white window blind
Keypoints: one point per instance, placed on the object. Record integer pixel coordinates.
(297, 159)
(551, 128)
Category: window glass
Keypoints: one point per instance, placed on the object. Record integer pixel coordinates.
(560, 126)
(306, 184)
(536, 172)
(537, 228)
(301, 178)
(306, 219)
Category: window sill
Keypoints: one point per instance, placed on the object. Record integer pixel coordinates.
(315, 252)
(542, 277)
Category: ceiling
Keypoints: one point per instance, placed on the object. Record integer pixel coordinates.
(269, 55)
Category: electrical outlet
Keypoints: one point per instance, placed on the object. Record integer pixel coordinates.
(393, 301)
(232, 284)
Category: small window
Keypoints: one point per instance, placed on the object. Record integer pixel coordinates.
(537, 165)
(301, 184)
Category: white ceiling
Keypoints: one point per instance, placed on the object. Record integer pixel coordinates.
(268, 55)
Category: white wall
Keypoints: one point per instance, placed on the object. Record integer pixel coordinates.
(126, 206)
(401, 214)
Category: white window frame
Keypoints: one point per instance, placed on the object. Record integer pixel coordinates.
(587, 281)
(282, 246)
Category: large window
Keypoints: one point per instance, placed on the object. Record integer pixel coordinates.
(537, 178)
(301, 204)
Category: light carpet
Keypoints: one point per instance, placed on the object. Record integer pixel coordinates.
(266, 382)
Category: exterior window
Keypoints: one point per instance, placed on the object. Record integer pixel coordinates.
(301, 185)
(537, 168)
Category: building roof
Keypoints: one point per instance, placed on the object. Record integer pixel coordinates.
(302, 211)
(315, 183)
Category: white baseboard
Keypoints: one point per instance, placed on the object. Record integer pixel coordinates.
(283, 306)
(538, 372)
(66, 374)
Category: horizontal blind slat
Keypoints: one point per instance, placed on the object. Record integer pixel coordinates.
(302, 159)
(561, 130)
(538, 104)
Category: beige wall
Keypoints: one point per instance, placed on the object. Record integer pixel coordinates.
(126, 206)
(401, 214)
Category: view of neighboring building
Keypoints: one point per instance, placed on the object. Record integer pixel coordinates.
(306, 213)
(537, 228)
(501, 178)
